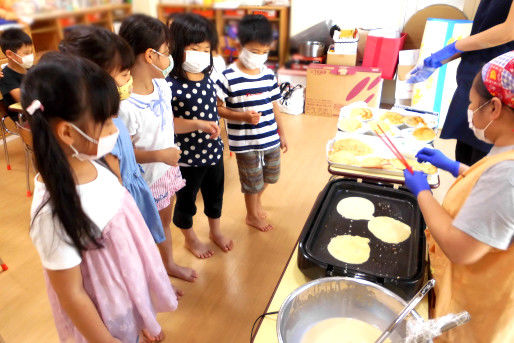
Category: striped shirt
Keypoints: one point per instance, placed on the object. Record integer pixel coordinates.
(243, 92)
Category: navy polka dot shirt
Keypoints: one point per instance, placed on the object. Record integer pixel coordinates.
(196, 100)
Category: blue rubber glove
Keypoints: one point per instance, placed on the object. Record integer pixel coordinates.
(416, 182)
(431, 63)
(438, 159)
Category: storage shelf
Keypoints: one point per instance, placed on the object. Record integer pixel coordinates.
(47, 27)
(220, 19)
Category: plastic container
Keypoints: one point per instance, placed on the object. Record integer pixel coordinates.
(383, 53)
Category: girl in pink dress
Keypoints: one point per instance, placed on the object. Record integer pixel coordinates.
(105, 278)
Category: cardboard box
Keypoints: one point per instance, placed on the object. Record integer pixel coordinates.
(436, 93)
(341, 59)
(406, 62)
(330, 87)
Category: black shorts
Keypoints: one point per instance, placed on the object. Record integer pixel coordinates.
(210, 180)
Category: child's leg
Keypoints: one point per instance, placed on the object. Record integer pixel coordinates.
(250, 174)
(271, 173)
(212, 188)
(260, 209)
(185, 209)
(166, 250)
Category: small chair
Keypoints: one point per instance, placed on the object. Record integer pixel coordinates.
(7, 125)
(26, 137)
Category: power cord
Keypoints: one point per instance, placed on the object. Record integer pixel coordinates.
(261, 317)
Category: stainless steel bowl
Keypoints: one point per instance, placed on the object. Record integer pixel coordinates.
(339, 297)
(312, 49)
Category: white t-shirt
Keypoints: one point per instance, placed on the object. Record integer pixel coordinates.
(149, 120)
(218, 67)
(101, 200)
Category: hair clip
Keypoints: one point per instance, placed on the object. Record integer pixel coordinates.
(36, 105)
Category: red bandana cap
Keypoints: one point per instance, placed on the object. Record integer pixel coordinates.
(498, 77)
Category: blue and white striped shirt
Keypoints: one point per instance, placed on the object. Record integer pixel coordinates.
(243, 92)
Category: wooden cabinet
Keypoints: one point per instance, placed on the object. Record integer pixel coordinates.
(47, 28)
(277, 15)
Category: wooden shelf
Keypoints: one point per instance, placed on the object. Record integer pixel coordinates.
(220, 18)
(44, 30)
(47, 27)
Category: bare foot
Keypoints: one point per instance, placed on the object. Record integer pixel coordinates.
(199, 249)
(178, 292)
(258, 223)
(224, 243)
(146, 337)
(180, 272)
(262, 213)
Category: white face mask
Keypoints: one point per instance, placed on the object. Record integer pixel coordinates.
(479, 133)
(251, 60)
(196, 61)
(165, 72)
(26, 61)
(104, 145)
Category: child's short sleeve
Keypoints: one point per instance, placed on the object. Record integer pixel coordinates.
(222, 87)
(275, 91)
(52, 242)
(130, 115)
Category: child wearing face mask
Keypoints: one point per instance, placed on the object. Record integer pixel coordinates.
(148, 115)
(104, 275)
(114, 55)
(201, 161)
(250, 92)
(17, 47)
(471, 235)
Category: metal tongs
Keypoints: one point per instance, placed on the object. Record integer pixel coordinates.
(406, 310)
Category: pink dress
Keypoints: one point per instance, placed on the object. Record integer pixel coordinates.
(125, 279)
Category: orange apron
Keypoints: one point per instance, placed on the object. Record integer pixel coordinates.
(486, 288)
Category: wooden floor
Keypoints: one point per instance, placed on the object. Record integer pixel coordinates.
(233, 289)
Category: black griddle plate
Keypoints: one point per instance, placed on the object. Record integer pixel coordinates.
(396, 263)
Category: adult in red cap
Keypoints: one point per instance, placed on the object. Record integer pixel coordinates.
(470, 236)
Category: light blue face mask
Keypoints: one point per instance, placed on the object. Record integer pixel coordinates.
(167, 71)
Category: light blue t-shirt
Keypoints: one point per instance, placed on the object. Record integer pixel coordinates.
(488, 213)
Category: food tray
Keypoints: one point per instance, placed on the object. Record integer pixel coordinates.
(406, 147)
(399, 267)
(403, 131)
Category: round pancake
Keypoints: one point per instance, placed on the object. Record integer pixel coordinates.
(362, 113)
(389, 230)
(355, 146)
(349, 124)
(414, 121)
(349, 249)
(356, 208)
(393, 117)
(424, 134)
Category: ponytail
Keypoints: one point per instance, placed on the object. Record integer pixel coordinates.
(61, 84)
(56, 173)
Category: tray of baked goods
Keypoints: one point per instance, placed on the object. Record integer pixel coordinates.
(357, 151)
(367, 157)
(398, 122)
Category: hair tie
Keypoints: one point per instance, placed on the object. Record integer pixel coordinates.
(36, 105)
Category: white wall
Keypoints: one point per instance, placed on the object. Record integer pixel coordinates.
(360, 13)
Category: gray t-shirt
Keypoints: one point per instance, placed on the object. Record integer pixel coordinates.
(488, 213)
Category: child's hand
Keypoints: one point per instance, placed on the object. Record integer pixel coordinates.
(252, 117)
(171, 156)
(283, 144)
(211, 128)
